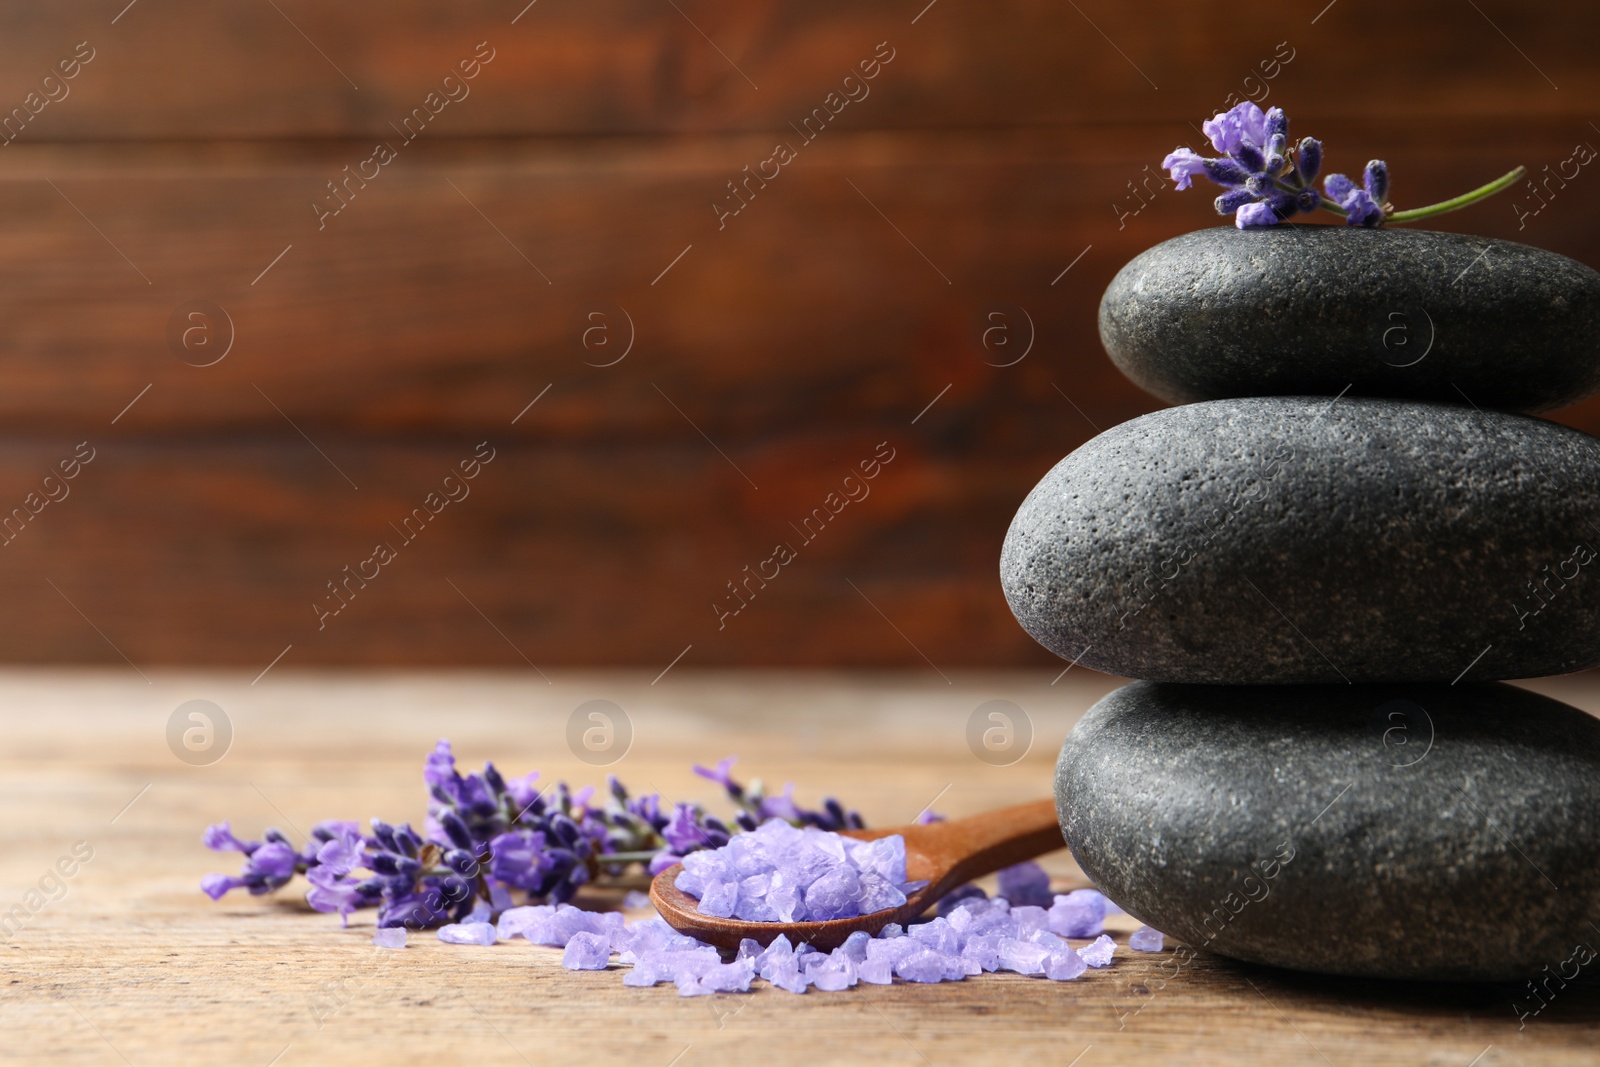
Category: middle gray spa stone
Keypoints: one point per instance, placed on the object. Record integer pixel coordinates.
(1303, 539)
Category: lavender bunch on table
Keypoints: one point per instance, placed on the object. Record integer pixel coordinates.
(489, 840)
(1268, 180)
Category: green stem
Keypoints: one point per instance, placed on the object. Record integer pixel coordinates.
(607, 859)
(1464, 200)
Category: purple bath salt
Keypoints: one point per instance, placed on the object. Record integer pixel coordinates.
(1146, 939)
(389, 937)
(1026, 883)
(925, 965)
(1023, 957)
(782, 873)
(1080, 913)
(468, 934)
(514, 922)
(1099, 953)
(875, 972)
(1029, 919)
(1064, 966)
(587, 952)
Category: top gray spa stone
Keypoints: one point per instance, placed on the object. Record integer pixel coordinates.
(1313, 310)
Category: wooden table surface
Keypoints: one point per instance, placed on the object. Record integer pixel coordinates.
(133, 965)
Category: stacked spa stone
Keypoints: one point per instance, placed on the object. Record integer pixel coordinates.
(1320, 564)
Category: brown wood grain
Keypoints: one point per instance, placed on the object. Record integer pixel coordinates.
(573, 191)
(187, 69)
(133, 962)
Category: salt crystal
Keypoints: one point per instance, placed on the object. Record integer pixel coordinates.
(515, 921)
(937, 935)
(1023, 957)
(1029, 919)
(855, 946)
(983, 951)
(720, 899)
(634, 900)
(835, 895)
(587, 952)
(832, 975)
(468, 934)
(1099, 953)
(893, 950)
(482, 911)
(1146, 939)
(785, 974)
(923, 966)
(891, 930)
(729, 977)
(389, 937)
(1025, 884)
(1049, 942)
(648, 935)
(876, 972)
(1080, 913)
(1064, 966)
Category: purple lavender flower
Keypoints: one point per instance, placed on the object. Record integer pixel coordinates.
(486, 837)
(1266, 179)
(1360, 206)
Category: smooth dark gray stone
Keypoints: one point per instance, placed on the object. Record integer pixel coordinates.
(1386, 312)
(1297, 539)
(1430, 832)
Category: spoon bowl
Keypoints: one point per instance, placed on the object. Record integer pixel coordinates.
(943, 854)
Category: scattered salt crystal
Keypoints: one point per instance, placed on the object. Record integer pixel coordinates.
(1064, 966)
(983, 951)
(1024, 884)
(832, 975)
(1030, 919)
(855, 946)
(1023, 957)
(634, 900)
(923, 966)
(785, 974)
(482, 912)
(728, 977)
(1080, 913)
(587, 952)
(1146, 939)
(937, 935)
(389, 937)
(1049, 942)
(515, 921)
(1099, 953)
(892, 930)
(875, 972)
(468, 934)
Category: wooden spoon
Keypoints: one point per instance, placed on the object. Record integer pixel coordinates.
(944, 854)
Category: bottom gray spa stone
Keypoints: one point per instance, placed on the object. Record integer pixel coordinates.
(1388, 831)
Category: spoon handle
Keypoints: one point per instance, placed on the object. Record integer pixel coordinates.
(962, 849)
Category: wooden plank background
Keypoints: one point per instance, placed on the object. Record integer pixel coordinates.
(572, 190)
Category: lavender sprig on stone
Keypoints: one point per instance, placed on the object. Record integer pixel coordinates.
(489, 841)
(1268, 180)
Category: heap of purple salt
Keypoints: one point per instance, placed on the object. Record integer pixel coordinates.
(781, 873)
